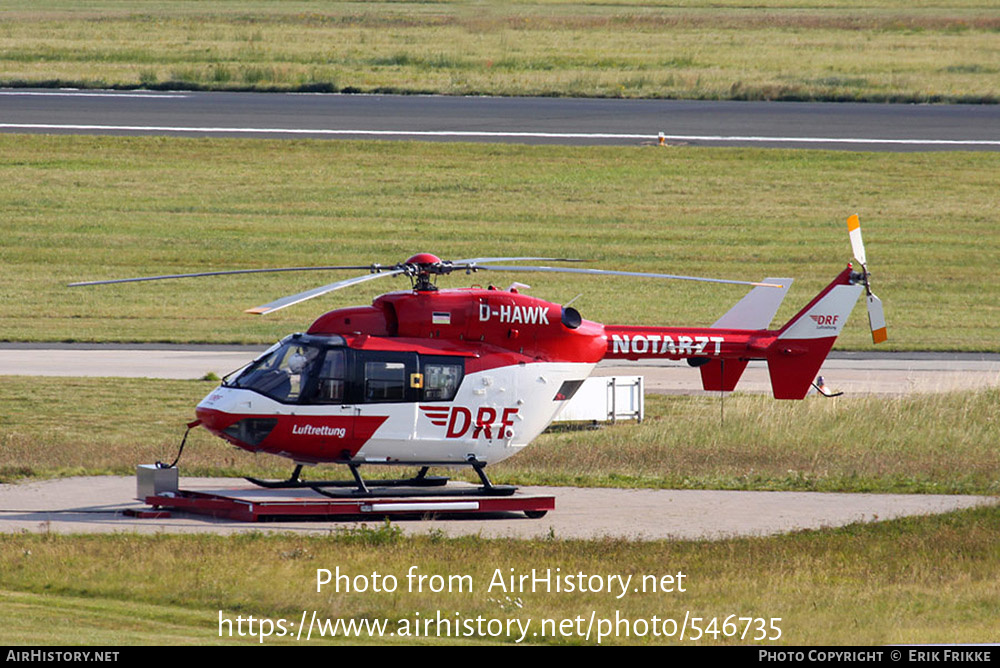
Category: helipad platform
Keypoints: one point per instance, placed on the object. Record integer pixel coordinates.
(254, 504)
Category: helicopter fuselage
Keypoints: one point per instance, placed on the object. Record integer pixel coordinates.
(419, 377)
(446, 377)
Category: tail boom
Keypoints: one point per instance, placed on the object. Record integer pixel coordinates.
(794, 353)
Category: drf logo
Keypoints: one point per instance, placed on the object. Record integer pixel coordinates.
(459, 421)
(825, 321)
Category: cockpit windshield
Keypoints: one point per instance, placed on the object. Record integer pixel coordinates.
(298, 370)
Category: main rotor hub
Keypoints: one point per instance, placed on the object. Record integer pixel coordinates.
(423, 259)
(421, 267)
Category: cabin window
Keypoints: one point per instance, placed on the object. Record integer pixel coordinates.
(441, 380)
(385, 381)
(308, 370)
(384, 377)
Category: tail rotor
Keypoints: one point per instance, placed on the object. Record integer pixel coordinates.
(876, 315)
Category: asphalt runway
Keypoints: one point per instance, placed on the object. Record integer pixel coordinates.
(869, 127)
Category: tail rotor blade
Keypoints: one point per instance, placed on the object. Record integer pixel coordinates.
(876, 318)
(857, 244)
(876, 315)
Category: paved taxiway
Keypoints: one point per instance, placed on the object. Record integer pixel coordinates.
(94, 505)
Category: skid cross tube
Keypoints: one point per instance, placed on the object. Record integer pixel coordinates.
(358, 486)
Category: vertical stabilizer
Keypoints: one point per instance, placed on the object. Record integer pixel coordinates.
(795, 357)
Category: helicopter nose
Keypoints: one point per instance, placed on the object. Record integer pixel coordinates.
(215, 410)
(212, 419)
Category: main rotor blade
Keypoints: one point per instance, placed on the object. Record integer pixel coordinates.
(857, 244)
(374, 268)
(370, 267)
(474, 260)
(604, 272)
(316, 292)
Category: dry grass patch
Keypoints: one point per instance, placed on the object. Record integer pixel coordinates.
(883, 51)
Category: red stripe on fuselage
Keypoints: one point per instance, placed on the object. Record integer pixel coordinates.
(312, 438)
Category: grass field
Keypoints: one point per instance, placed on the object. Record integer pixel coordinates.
(884, 50)
(77, 208)
(937, 443)
(921, 580)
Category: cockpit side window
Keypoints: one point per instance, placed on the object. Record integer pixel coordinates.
(330, 378)
(305, 370)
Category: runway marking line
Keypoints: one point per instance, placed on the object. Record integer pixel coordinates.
(70, 93)
(498, 135)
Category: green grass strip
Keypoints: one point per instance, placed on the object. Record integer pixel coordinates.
(916, 580)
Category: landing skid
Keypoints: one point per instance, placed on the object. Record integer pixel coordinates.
(479, 492)
(414, 486)
(294, 482)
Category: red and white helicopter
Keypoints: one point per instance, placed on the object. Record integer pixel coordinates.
(468, 377)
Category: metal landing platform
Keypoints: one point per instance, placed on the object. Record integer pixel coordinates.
(255, 504)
